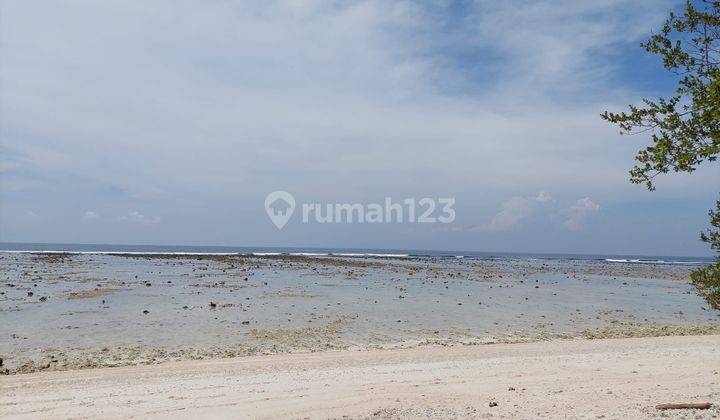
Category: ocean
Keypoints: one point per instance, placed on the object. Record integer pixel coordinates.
(69, 306)
(343, 252)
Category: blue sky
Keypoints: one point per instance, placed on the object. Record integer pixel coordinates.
(169, 122)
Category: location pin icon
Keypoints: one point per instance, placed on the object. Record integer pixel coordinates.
(279, 206)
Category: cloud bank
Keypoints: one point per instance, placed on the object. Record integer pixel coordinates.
(579, 212)
(515, 210)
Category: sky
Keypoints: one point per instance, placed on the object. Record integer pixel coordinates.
(169, 122)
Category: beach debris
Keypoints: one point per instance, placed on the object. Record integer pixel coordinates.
(213, 305)
(145, 312)
(492, 404)
(680, 406)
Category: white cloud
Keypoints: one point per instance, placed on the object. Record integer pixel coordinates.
(137, 217)
(90, 215)
(578, 213)
(543, 197)
(515, 210)
(518, 209)
(556, 45)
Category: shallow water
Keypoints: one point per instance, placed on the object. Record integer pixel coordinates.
(98, 301)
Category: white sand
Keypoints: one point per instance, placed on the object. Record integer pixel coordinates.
(622, 378)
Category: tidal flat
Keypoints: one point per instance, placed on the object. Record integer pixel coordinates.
(66, 311)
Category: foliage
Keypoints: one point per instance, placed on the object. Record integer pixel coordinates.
(685, 127)
(707, 279)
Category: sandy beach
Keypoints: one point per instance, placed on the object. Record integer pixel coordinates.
(617, 378)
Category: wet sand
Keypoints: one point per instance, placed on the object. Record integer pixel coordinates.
(619, 378)
(62, 311)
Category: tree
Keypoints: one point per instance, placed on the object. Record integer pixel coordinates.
(685, 127)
